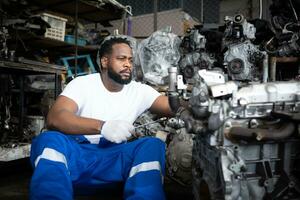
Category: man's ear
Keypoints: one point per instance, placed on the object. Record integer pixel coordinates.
(104, 61)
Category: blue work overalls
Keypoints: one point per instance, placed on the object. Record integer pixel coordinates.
(64, 164)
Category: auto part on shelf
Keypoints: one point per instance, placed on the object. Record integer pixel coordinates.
(157, 53)
(243, 60)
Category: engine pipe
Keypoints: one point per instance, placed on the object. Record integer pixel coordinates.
(273, 133)
(172, 91)
(265, 68)
(172, 79)
(282, 132)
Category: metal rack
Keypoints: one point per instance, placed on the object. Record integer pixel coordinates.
(83, 12)
(20, 68)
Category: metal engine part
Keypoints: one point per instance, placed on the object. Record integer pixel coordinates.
(237, 28)
(146, 125)
(242, 58)
(157, 53)
(179, 145)
(196, 57)
(193, 41)
(179, 157)
(269, 92)
(247, 171)
(241, 61)
(246, 130)
(248, 150)
(239, 134)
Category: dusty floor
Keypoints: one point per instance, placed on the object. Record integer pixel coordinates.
(15, 176)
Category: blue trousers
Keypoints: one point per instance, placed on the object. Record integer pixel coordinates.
(64, 164)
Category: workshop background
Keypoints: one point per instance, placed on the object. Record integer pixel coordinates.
(235, 63)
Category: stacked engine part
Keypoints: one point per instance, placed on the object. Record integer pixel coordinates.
(179, 155)
(246, 129)
(249, 148)
(239, 133)
(241, 58)
(194, 55)
(157, 53)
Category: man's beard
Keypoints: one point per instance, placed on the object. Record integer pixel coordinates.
(117, 77)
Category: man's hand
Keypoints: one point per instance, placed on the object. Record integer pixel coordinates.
(117, 131)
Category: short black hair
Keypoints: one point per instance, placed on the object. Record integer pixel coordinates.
(106, 46)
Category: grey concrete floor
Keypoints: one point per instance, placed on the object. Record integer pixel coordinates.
(15, 177)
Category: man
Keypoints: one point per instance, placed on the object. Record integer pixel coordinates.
(91, 122)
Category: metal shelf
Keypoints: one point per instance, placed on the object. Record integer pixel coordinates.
(53, 45)
(90, 11)
(14, 153)
(25, 66)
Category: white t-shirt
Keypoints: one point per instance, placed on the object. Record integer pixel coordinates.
(95, 101)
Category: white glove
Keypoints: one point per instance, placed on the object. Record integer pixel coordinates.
(117, 131)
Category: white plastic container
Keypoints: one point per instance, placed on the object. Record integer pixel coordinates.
(58, 26)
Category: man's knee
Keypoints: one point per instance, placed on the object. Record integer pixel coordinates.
(153, 143)
(53, 140)
(150, 149)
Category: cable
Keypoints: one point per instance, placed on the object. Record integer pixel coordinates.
(260, 9)
(76, 37)
(296, 17)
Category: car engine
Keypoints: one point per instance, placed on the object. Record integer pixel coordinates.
(235, 133)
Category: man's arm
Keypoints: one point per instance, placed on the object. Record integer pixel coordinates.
(62, 117)
(161, 107)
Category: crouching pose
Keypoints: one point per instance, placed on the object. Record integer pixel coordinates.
(90, 124)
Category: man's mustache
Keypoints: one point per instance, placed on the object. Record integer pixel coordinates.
(126, 71)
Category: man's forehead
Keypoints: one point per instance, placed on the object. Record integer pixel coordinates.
(125, 45)
(121, 48)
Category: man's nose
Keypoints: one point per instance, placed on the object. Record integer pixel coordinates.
(128, 63)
